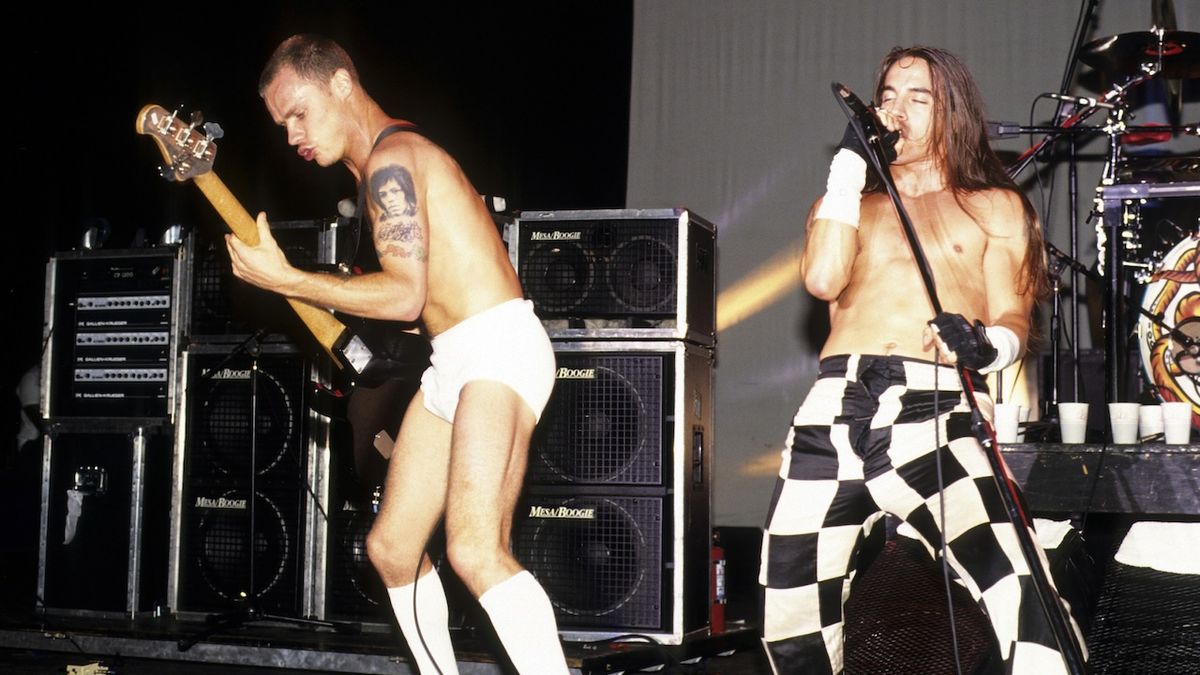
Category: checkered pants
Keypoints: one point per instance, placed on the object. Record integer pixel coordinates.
(861, 445)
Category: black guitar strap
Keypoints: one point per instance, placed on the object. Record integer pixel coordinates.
(387, 339)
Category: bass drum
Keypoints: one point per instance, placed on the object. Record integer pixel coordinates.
(1174, 294)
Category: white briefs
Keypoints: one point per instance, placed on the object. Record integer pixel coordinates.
(505, 344)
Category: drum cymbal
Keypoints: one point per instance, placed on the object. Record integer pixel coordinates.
(1124, 54)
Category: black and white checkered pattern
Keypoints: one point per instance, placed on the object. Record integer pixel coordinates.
(864, 443)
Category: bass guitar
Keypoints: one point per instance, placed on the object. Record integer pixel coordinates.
(189, 149)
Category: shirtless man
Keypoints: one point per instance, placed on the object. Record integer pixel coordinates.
(462, 447)
(866, 439)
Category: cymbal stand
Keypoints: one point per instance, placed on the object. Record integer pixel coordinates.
(1050, 407)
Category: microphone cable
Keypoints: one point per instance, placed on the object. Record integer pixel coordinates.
(416, 619)
(937, 440)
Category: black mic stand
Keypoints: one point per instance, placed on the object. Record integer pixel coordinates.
(250, 610)
(1056, 616)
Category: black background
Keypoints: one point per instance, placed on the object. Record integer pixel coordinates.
(531, 98)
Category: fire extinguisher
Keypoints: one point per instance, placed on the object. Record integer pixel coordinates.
(717, 590)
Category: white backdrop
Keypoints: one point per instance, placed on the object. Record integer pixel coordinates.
(731, 115)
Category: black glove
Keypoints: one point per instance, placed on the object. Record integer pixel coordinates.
(887, 140)
(970, 344)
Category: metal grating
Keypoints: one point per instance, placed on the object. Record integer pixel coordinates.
(897, 622)
(224, 556)
(215, 539)
(601, 268)
(1146, 622)
(355, 590)
(600, 559)
(225, 412)
(225, 308)
(604, 422)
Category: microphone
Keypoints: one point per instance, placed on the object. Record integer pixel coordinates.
(997, 130)
(1081, 101)
(877, 134)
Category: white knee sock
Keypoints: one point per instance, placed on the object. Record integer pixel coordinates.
(435, 620)
(524, 621)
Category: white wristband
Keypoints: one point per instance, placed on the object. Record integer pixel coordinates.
(843, 188)
(1008, 348)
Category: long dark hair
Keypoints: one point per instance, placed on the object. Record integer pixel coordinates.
(960, 148)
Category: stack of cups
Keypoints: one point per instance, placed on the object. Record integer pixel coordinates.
(1072, 421)
(1177, 422)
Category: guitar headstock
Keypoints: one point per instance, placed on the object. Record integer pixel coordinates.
(187, 151)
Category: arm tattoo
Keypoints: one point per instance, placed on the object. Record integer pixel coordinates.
(397, 231)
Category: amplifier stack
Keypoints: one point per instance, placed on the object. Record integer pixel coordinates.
(107, 395)
(615, 515)
(614, 521)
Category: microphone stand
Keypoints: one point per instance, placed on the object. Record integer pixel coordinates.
(1055, 614)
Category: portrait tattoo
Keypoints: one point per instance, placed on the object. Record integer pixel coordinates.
(397, 232)
(392, 191)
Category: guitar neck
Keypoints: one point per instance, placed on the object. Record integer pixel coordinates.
(323, 325)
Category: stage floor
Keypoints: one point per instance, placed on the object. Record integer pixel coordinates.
(150, 646)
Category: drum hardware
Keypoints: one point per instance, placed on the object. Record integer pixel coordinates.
(1171, 53)
(1180, 344)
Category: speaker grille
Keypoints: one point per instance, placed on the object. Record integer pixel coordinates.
(601, 268)
(599, 558)
(224, 555)
(618, 273)
(226, 309)
(225, 418)
(604, 422)
(642, 275)
(355, 590)
(216, 549)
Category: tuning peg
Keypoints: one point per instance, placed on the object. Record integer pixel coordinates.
(213, 130)
(197, 118)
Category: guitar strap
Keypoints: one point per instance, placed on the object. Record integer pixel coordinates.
(387, 339)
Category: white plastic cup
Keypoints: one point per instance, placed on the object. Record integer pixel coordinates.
(1005, 419)
(1072, 421)
(1150, 421)
(1177, 422)
(1123, 418)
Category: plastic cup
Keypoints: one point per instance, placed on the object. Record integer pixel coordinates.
(1177, 422)
(1006, 420)
(1123, 420)
(1072, 421)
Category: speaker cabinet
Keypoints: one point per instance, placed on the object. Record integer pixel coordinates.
(631, 274)
(241, 405)
(105, 503)
(614, 521)
(224, 309)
